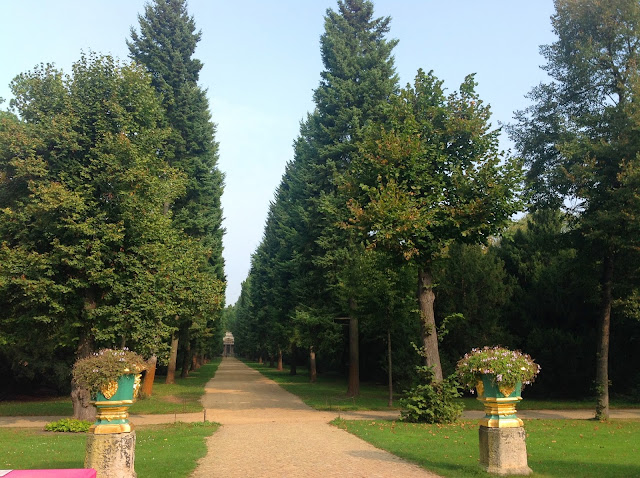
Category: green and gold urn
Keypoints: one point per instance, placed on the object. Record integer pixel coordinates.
(113, 402)
(499, 402)
(113, 379)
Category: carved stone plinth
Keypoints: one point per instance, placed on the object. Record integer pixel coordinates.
(503, 451)
(111, 455)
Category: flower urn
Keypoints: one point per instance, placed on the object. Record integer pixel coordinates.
(499, 400)
(113, 402)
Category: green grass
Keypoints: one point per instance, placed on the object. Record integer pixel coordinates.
(181, 397)
(556, 448)
(329, 392)
(59, 406)
(161, 450)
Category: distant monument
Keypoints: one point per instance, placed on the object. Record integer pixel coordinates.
(228, 341)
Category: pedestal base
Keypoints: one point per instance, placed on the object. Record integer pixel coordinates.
(111, 455)
(503, 451)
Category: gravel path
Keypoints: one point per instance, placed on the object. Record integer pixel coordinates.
(268, 432)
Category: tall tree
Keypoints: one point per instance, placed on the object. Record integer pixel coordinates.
(357, 80)
(88, 255)
(431, 176)
(165, 45)
(580, 141)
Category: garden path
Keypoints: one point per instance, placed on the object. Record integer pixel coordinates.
(268, 432)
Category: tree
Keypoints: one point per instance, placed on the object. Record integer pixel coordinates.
(552, 313)
(474, 291)
(580, 142)
(88, 255)
(165, 46)
(357, 80)
(429, 176)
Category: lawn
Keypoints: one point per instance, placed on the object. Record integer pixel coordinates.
(181, 397)
(161, 450)
(329, 393)
(556, 448)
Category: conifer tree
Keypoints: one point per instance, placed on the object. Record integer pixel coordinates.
(165, 45)
(358, 78)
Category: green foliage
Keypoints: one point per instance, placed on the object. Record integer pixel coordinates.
(583, 150)
(430, 401)
(508, 366)
(68, 425)
(474, 292)
(431, 175)
(88, 253)
(105, 366)
(165, 45)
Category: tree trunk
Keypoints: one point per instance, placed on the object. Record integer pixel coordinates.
(313, 372)
(353, 389)
(260, 360)
(80, 397)
(173, 357)
(602, 356)
(389, 366)
(149, 377)
(186, 357)
(272, 361)
(293, 370)
(194, 362)
(280, 364)
(426, 299)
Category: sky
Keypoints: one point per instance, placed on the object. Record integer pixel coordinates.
(262, 62)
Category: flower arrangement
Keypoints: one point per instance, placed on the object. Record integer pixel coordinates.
(99, 369)
(508, 367)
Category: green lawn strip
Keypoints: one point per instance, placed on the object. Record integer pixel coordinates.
(471, 403)
(556, 448)
(161, 450)
(59, 406)
(181, 397)
(329, 392)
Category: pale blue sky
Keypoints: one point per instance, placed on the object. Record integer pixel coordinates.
(262, 61)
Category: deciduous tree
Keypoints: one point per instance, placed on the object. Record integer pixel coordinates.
(580, 141)
(429, 176)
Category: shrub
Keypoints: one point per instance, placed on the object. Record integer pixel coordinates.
(68, 425)
(431, 402)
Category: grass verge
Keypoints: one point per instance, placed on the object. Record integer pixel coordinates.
(556, 448)
(161, 450)
(329, 392)
(181, 397)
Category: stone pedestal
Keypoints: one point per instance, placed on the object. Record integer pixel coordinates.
(111, 455)
(503, 451)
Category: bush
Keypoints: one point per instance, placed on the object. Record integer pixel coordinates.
(68, 425)
(431, 402)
